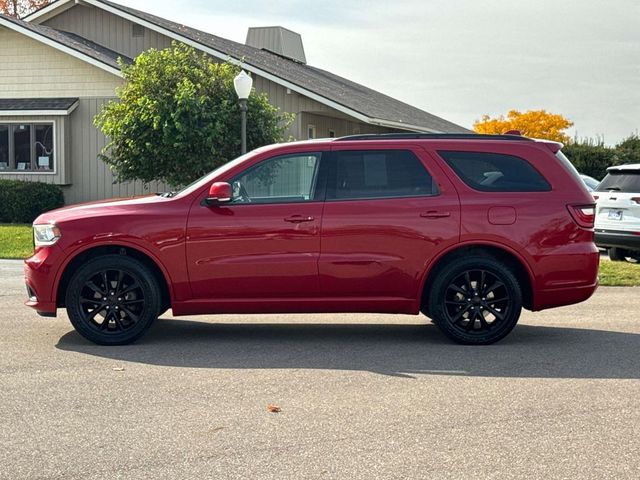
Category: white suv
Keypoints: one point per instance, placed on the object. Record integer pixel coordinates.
(617, 223)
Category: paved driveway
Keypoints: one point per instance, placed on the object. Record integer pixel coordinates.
(362, 396)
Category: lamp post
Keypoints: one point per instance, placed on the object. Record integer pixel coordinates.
(243, 83)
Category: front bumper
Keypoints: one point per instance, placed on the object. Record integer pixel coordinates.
(617, 238)
(39, 276)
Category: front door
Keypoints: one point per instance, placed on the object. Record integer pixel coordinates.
(387, 213)
(265, 243)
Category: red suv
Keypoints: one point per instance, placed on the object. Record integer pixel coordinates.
(467, 229)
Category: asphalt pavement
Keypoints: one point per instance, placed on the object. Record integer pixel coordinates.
(361, 397)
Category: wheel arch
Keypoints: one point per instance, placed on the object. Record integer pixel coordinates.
(517, 264)
(80, 257)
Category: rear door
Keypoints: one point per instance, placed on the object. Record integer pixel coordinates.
(387, 213)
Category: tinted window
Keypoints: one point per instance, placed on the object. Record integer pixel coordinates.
(377, 174)
(288, 178)
(494, 172)
(626, 182)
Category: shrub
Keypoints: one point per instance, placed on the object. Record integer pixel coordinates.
(590, 157)
(22, 202)
(628, 150)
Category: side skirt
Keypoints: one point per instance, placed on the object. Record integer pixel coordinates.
(297, 305)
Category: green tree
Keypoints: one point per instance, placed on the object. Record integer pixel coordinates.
(177, 117)
(628, 150)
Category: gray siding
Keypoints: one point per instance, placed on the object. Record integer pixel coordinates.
(108, 30)
(341, 126)
(92, 179)
(29, 68)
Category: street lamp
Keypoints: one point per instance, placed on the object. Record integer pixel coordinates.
(242, 83)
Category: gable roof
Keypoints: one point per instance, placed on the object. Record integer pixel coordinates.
(68, 43)
(325, 87)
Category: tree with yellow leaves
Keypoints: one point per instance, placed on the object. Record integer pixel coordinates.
(534, 123)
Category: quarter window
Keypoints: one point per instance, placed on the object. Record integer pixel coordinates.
(378, 174)
(26, 147)
(289, 178)
(494, 172)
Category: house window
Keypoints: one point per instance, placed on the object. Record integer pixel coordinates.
(311, 131)
(137, 30)
(332, 134)
(26, 147)
(4, 147)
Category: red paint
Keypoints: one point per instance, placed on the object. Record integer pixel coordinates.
(348, 255)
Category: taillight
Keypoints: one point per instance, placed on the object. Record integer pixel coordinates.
(583, 215)
(636, 200)
(595, 197)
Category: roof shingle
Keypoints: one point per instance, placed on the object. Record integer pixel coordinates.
(22, 104)
(71, 40)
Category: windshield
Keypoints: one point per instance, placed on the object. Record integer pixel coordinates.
(621, 181)
(195, 185)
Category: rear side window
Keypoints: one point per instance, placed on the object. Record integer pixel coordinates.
(377, 174)
(621, 181)
(495, 172)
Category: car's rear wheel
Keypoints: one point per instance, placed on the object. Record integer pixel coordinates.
(113, 300)
(617, 254)
(475, 300)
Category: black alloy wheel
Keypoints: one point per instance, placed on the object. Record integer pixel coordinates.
(113, 300)
(476, 300)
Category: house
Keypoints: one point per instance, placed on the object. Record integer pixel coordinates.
(59, 65)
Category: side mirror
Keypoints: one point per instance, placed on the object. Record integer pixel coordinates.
(219, 192)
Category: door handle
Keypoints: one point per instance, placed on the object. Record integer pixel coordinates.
(435, 214)
(299, 218)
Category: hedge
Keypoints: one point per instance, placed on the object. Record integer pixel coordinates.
(592, 157)
(22, 202)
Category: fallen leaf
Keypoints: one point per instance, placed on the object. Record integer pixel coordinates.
(273, 408)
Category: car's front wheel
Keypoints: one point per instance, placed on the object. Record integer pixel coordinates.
(475, 300)
(113, 300)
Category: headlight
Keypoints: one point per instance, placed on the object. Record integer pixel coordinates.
(44, 235)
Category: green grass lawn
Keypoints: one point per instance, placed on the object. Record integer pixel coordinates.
(15, 242)
(619, 274)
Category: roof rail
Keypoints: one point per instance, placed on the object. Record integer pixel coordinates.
(433, 136)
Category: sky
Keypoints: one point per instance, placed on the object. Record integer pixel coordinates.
(460, 59)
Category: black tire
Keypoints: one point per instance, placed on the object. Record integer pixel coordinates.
(113, 300)
(617, 254)
(475, 300)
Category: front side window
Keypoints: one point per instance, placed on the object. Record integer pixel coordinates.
(495, 172)
(378, 174)
(284, 179)
(26, 147)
